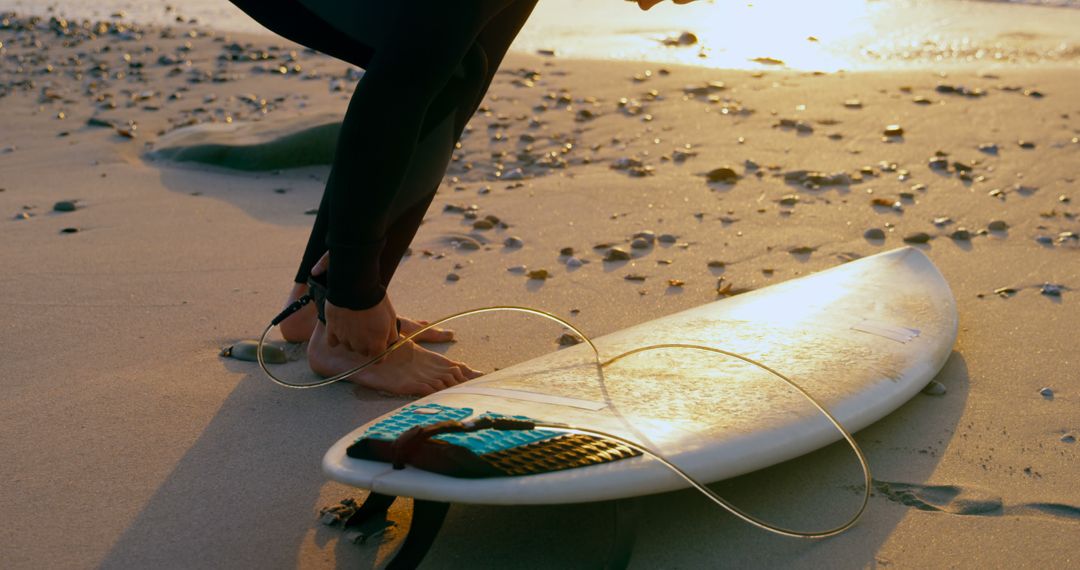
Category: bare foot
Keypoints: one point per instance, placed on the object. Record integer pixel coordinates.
(410, 370)
(301, 324)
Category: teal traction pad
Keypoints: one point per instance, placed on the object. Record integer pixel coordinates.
(486, 453)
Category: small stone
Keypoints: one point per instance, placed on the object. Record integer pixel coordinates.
(941, 221)
(513, 241)
(566, 251)
(616, 254)
(853, 104)
(716, 264)
(723, 175)
(539, 274)
(574, 262)
(640, 243)
(1067, 438)
(894, 131)
(989, 148)
(1047, 393)
(675, 282)
(802, 250)
(646, 235)
(248, 350)
(483, 224)
(634, 277)
(1025, 144)
(23, 216)
(667, 238)
(789, 200)
(934, 388)
(519, 269)
(569, 339)
(1050, 290)
(939, 163)
(917, 237)
(997, 226)
(961, 234)
(874, 233)
(452, 277)
(65, 206)
(69, 231)
(1044, 240)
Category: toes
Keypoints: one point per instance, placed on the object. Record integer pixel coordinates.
(468, 371)
(458, 374)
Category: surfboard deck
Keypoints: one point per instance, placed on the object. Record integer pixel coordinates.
(863, 338)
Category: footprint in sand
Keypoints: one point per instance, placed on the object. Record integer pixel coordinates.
(970, 501)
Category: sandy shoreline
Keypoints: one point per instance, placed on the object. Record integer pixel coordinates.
(131, 443)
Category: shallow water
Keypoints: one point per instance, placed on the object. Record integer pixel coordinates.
(826, 35)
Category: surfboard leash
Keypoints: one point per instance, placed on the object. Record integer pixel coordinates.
(477, 425)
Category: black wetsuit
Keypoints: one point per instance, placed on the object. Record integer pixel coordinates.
(423, 79)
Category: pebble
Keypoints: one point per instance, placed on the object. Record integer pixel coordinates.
(646, 235)
(667, 238)
(69, 231)
(483, 224)
(513, 241)
(465, 242)
(789, 200)
(452, 277)
(248, 350)
(634, 277)
(1068, 438)
(1025, 144)
(917, 237)
(802, 250)
(569, 339)
(934, 388)
(853, 104)
(23, 216)
(716, 264)
(675, 282)
(942, 221)
(65, 206)
(1044, 240)
(1050, 290)
(874, 233)
(961, 234)
(1047, 393)
(616, 254)
(997, 226)
(566, 251)
(640, 243)
(574, 262)
(894, 131)
(989, 148)
(539, 274)
(938, 163)
(723, 175)
(519, 269)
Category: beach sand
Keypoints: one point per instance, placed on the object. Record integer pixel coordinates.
(129, 442)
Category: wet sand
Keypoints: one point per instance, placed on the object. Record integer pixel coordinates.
(130, 442)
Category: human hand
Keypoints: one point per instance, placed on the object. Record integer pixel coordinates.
(646, 4)
(367, 331)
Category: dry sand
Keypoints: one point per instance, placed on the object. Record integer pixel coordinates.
(128, 442)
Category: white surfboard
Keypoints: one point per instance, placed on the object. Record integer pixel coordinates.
(863, 338)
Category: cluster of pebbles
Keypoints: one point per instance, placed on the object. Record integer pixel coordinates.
(138, 82)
